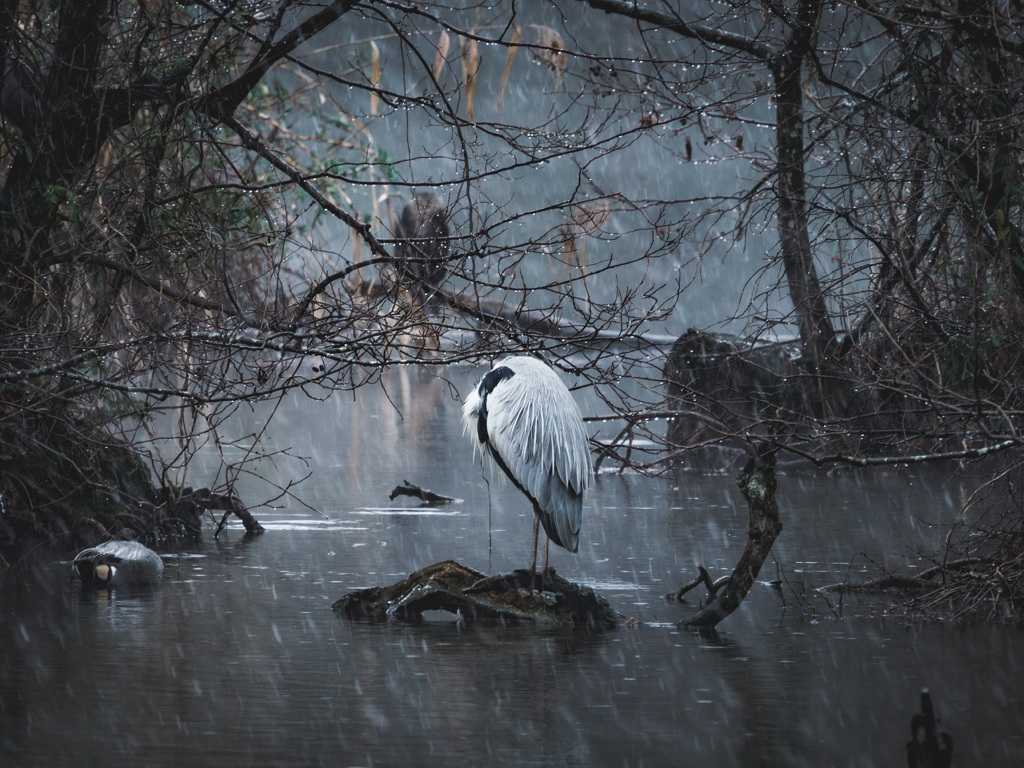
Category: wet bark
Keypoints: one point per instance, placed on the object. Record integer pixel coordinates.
(757, 483)
(424, 494)
(702, 577)
(929, 746)
(452, 587)
(812, 314)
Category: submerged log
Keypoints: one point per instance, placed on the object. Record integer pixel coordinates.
(232, 505)
(452, 587)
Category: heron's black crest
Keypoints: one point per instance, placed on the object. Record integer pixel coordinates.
(487, 385)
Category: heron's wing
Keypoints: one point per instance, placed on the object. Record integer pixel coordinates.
(471, 412)
(535, 427)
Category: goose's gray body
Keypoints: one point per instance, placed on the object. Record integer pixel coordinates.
(118, 564)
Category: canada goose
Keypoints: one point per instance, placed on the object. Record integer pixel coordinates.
(118, 563)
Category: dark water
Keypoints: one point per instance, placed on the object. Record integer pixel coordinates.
(237, 658)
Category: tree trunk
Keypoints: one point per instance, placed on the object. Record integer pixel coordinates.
(757, 483)
(812, 314)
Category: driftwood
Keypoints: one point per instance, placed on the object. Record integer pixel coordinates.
(408, 489)
(919, 582)
(180, 515)
(757, 483)
(968, 586)
(452, 587)
(702, 577)
(191, 505)
(881, 584)
(232, 505)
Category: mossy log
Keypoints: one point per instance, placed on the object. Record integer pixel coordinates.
(452, 587)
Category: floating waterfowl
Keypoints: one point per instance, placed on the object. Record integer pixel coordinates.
(118, 564)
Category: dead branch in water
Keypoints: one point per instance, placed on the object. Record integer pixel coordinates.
(702, 577)
(452, 587)
(231, 505)
(408, 489)
(922, 581)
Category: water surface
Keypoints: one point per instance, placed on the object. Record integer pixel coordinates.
(238, 659)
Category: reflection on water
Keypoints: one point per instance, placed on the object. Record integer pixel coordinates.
(237, 658)
(416, 512)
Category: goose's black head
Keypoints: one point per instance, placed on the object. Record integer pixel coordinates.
(97, 572)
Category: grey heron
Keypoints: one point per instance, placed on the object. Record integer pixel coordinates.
(117, 564)
(424, 245)
(528, 422)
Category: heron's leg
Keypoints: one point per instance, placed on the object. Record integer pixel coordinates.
(533, 549)
(547, 550)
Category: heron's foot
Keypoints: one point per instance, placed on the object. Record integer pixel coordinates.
(544, 581)
(535, 580)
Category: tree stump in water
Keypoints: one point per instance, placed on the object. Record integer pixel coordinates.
(929, 746)
(722, 385)
(452, 587)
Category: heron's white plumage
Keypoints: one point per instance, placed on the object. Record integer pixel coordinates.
(534, 428)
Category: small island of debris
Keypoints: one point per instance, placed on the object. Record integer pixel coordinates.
(451, 586)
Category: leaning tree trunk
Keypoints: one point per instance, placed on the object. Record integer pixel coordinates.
(757, 483)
